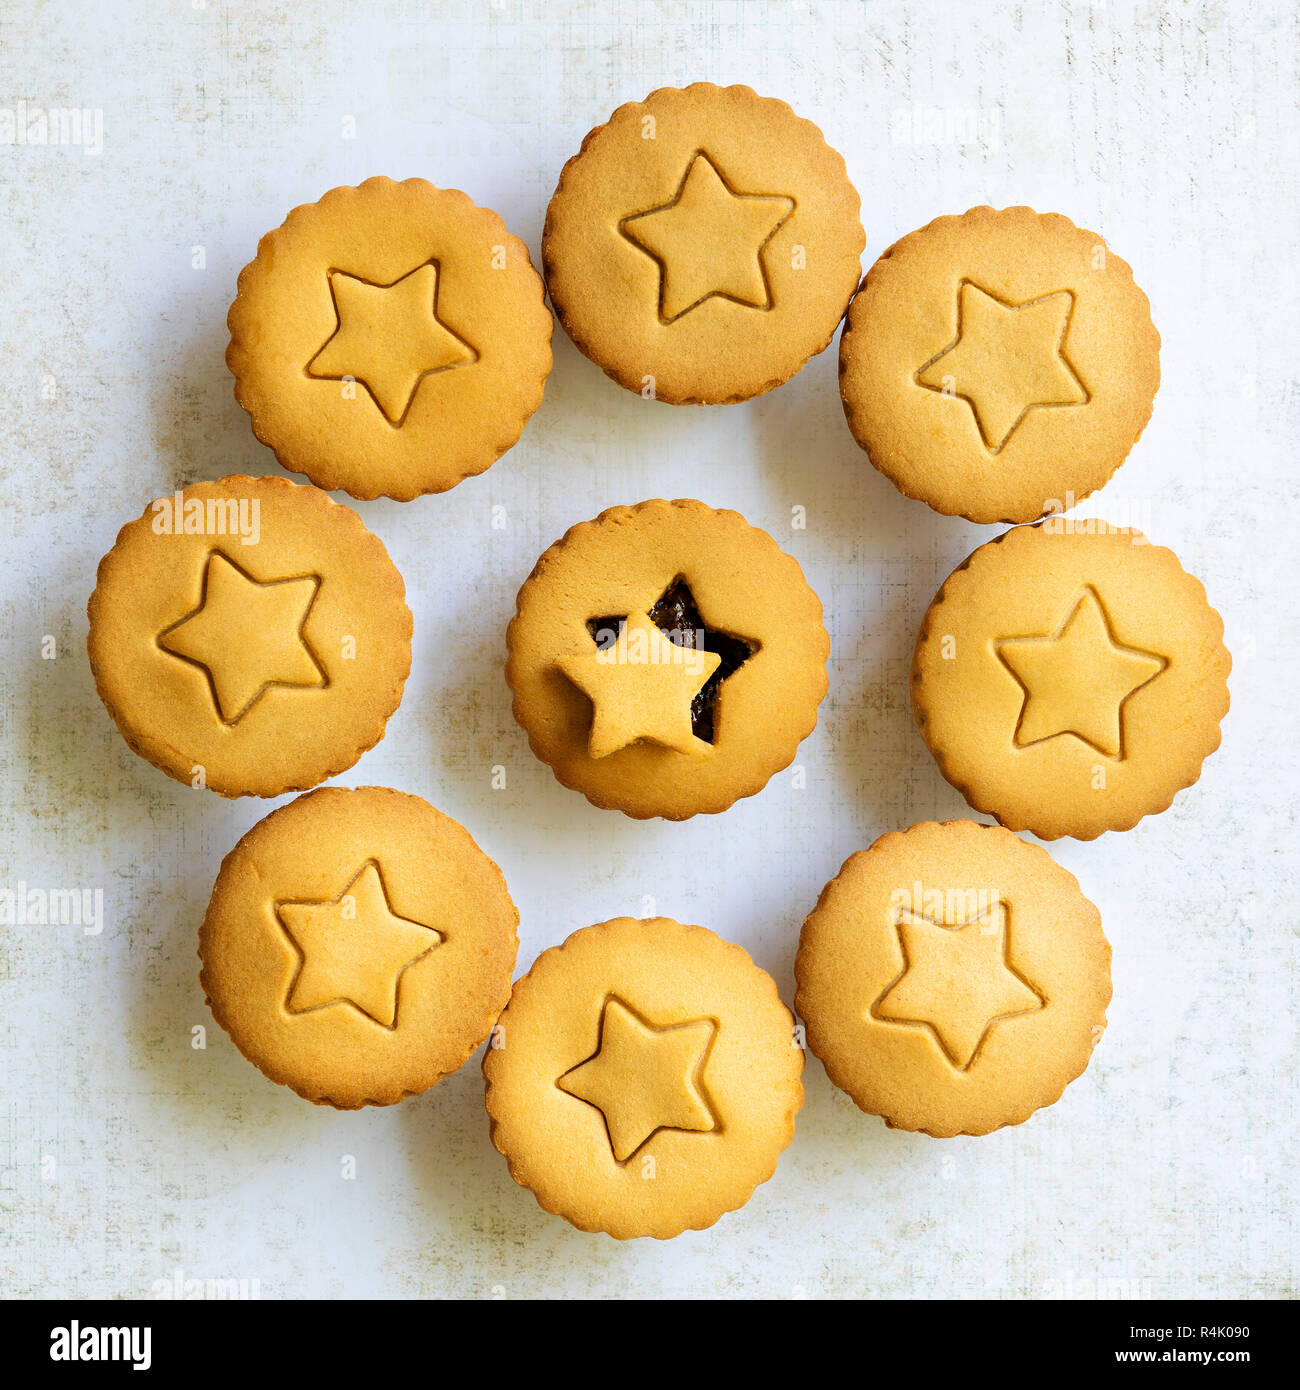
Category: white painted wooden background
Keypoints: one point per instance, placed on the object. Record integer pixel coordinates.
(125, 1154)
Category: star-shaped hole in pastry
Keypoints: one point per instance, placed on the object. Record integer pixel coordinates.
(644, 1078)
(353, 949)
(709, 240)
(1077, 679)
(957, 981)
(1006, 360)
(389, 338)
(656, 676)
(247, 636)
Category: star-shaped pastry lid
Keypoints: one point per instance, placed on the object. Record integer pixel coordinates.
(656, 676)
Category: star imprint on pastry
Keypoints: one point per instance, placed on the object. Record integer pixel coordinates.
(957, 982)
(389, 337)
(1077, 679)
(643, 1079)
(709, 241)
(247, 636)
(353, 949)
(1006, 360)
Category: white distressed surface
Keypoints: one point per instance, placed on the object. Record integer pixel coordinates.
(126, 1155)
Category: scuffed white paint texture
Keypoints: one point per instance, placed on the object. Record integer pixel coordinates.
(1170, 1169)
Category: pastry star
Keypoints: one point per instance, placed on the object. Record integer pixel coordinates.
(389, 337)
(643, 1078)
(709, 241)
(956, 981)
(353, 949)
(1006, 360)
(1076, 680)
(641, 687)
(247, 635)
